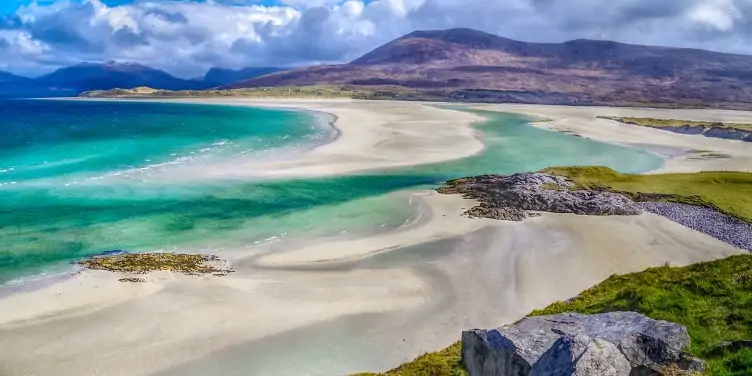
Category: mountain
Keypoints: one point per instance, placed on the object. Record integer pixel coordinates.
(6, 78)
(221, 76)
(97, 76)
(12, 85)
(468, 64)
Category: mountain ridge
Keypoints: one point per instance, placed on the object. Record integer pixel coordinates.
(573, 72)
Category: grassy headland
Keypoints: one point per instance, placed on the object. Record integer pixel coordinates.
(713, 300)
(728, 192)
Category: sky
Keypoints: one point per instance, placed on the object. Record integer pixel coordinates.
(187, 37)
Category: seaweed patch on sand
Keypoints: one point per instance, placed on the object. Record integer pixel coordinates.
(142, 263)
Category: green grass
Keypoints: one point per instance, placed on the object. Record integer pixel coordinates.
(713, 300)
(729, 192)
(659, 123)
(442, 363)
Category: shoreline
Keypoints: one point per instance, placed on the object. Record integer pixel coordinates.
(371, 135)
(414, 288)
(583, 121)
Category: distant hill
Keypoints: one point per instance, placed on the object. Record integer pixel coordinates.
(12, 85)
(221, 76)
(467, 64)
(6, 77)
(91, 77)
(98, 76)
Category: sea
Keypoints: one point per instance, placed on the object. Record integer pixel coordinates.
(79, 178)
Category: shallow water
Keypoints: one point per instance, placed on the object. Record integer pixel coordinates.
(79, 178)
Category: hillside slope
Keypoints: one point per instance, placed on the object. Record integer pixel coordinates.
(222, 76)
(580, 71)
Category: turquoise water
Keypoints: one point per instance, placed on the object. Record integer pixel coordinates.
(78, 178)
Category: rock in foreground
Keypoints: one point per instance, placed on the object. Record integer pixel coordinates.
(609, 344)
(141, 263)
(511, 197)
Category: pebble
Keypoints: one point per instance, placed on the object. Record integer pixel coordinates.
(708, 221)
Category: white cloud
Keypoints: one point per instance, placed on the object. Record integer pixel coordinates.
(718, 14)
(188, 37)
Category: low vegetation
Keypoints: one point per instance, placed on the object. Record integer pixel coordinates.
(661, 123)
(442, 363)
(713, 300)
(141, 263)
(728, 192)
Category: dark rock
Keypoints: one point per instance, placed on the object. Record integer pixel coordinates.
(510, 197)
(132, 280)
(573, 344)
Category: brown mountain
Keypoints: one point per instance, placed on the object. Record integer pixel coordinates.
(473, 65)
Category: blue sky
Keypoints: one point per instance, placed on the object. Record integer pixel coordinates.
(187, 37)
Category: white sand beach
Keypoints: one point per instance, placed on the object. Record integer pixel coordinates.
(372, 135)
(342, 305)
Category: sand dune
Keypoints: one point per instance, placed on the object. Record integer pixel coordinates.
(333, 306)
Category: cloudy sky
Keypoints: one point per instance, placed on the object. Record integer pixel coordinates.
(186, 37)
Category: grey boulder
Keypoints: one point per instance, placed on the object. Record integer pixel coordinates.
(582, 356)
(577, 344)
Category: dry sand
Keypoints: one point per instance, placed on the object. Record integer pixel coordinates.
(341, 305)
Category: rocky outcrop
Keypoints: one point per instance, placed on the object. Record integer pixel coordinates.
(615, 343)
(518, 196)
